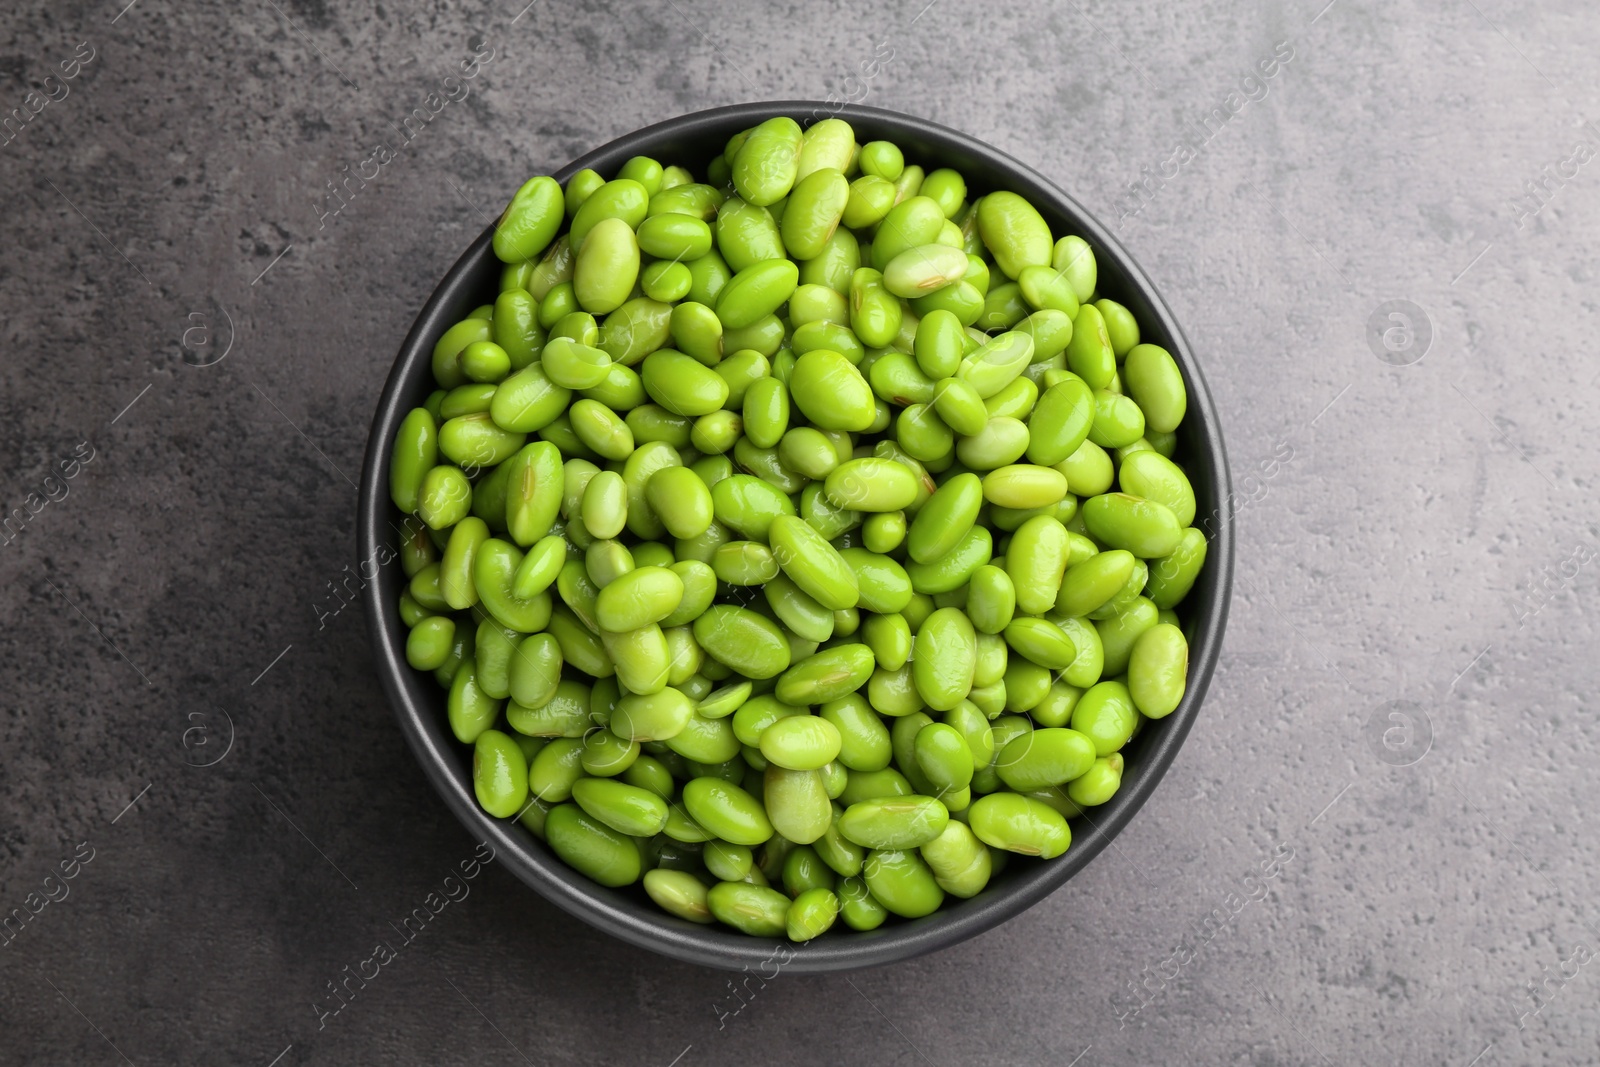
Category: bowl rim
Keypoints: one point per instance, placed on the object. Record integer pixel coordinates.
(416, 701)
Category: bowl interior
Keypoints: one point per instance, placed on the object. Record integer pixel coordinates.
(420, 705)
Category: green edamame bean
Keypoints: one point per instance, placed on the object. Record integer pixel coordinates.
(1154, 381)
(814, 565)
(943, 757)
(956, 567)
(566, 714)
(766, 166)
(1089, 664)
(1173, 575)
(1106, 716)
(748, 505)
(857, 907)
(475, 441)
(1158, 670)
(739, 638)
(606, 267)
(807, 452)
(534, 671)
(1020, 824)
(495, 645)
(530, 221)
(605, 505)
(650, 422)
(607, 856)
(1014, 401)
(687, 198)
(554, 769)
(682, 384)
(961, 864)
(485, 361)
(863, 739)
(1045, 757)
(676, 236)
(921, 269)
(656, 716)
(831, 393)
(1024, 485)
(889, 638)
(1047, 289)
(697, 331)
(804, 617)
(528, 400)
(945, 659)
(1074, 259)
(680, 500)
(444, 497)
(872, 484)
(638, 598)
(679, 893)
(766, 412)
(415, 451)
(1117, 420)
(869, 200)
(1089, 353)
(819, 304)
(605, 755)
(729, 862)
(896, 378)
(882, 158)
(755, 292)
(1014, 232)
(1060, 422)
(716, 433)
(945, 519)
(812, 914)
(746, 235)
(466, 400)
(1087, 585)
(902, 882)
(946, 188)
(821, 677)
(708, 275)
(1036, 561)
(814, 211)
(1089, 470)
(939, 343)
(1002, 440)
(429, 642)
(797, 803)
(1121, 327)
(875, 313)
(744, 563)
(499, 774)
(830, 143)
(1041, 641)
(991, 599)
(1143, 527)
(997, 364)
(625, 808)
(760, 911)
(726, 811)
(516, 326)
(1151, 475)
(665, 282)
(1099, 784)
(894, 822)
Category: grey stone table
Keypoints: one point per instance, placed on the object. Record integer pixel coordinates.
(1376, 846)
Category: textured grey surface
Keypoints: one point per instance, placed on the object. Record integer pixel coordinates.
(1418, 533)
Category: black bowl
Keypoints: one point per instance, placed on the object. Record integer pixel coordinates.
(627, 913)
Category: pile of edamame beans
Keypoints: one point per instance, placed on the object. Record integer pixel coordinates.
(803, 542)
